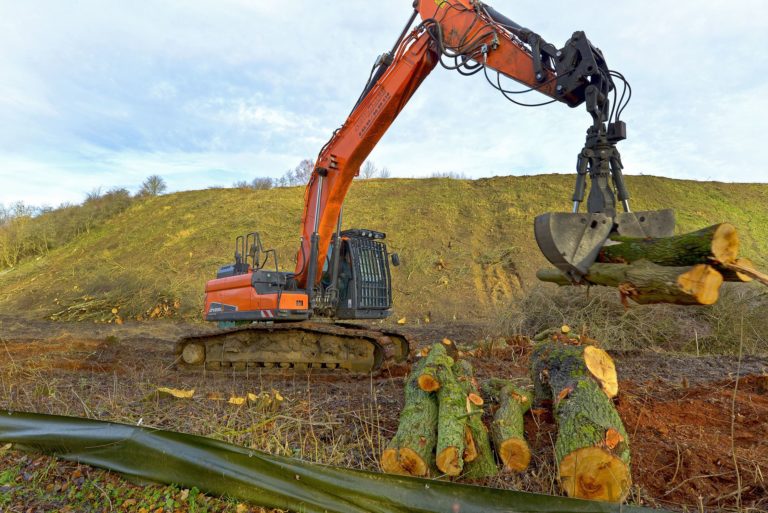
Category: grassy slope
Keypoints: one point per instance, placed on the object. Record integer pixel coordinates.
(466, 246)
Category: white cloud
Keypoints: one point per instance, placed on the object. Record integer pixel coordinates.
(101, 93)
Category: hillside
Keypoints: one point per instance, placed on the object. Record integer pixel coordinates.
(466, 246)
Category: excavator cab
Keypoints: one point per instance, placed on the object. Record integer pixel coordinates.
(356, 283)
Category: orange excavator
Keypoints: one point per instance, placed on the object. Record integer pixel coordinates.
(345, 274)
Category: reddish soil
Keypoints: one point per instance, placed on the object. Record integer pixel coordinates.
(699, 436)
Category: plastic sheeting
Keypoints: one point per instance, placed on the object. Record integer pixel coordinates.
(263, 479)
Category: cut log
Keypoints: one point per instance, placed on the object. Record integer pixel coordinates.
(717, 243)
(645, 282)
(507, 428)
(494, 387)
(437, 357)
(411, 450)
(592, 448)
(451, 420)
(484, 463)
(555, 366)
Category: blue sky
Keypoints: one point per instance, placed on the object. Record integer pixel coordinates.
(102, 93)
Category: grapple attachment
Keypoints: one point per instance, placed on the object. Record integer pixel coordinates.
(572, 241)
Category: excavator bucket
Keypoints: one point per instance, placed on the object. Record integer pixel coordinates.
(572, 241)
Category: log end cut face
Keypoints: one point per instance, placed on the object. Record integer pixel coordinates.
(412, 463)
(601, 366)
(725, 243)
(449, 462)
(515, 454)
(702, 282)
(428, 383)
(594, 473)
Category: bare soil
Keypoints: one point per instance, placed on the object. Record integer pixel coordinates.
(698, 425)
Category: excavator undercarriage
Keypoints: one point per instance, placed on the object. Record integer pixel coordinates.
(297, 345)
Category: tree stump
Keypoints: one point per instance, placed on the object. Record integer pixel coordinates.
(507, 428)
(410, 452)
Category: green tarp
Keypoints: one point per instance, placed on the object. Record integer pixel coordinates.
(262, 479)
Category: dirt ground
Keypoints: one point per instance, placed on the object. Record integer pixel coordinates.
(698, 426)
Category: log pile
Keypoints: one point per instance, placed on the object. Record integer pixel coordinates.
(444, 429)
(441, 429)
(685, 269)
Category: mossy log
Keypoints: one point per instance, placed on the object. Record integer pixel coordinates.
(484, 463)
(507, 428)
(493, 388)
(437, 357)
(717, 243)
(645, 282)
(411, 451)
(451, 422)
(555, 365)
(592, 446)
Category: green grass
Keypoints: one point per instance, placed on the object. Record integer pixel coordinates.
(41, 483)
(466, 246)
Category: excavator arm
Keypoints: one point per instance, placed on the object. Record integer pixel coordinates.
(471, 37)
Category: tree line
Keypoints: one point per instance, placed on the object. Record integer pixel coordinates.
(28, 231)
(301, 173)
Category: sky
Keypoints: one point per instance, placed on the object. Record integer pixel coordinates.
(103, 93)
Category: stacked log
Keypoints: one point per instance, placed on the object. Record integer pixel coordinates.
(411, 450)
(441, 425)
(507, 426)
(685, 269)
(451, 420)
(479, 460)
(592, 448)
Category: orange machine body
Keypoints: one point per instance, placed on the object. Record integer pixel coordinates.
(237, 294)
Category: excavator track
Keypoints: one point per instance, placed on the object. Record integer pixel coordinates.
(299, 345)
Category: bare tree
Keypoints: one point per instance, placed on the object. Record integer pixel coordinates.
(454, 175)
(368, 170)
(298, 175)
(384, 172)
(303, 171)
(261, 183)
(153, 186)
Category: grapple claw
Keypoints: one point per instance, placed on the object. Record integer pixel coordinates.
(572, 241)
